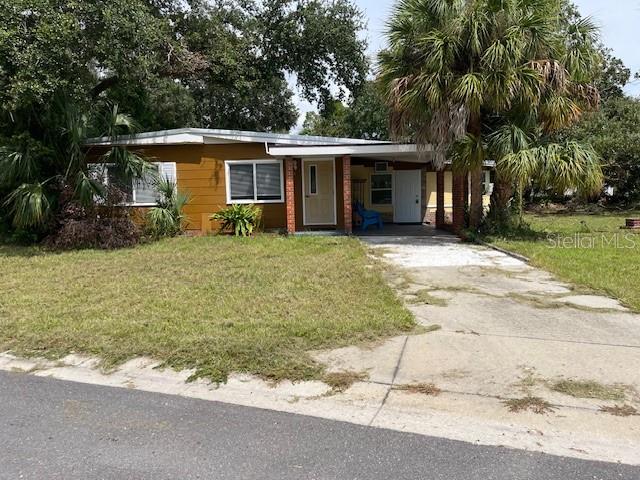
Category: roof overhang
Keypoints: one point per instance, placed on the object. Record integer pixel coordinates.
(202, 136)
(394, 151)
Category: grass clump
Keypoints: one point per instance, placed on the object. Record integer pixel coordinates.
(342, 381)
(425, 297)
(534, 404)
(420, 388)
(589, 389)
(215, 304)
(620, 410)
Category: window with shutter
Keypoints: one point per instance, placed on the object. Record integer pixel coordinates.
(142, 192)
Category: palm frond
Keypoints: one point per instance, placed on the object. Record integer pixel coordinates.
(470, 91)
(28, 205)
(468, 154)
(131, 164)
(88, 189)
(17, 166)
(557, 112)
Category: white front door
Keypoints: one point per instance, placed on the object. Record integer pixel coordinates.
(319, 191)
(407, 204)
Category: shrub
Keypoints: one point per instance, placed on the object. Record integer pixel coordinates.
(168, 218)
(98, 232)
(241, 219)
(105, 227)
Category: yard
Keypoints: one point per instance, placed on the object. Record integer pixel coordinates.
(216, 304)
(588, 250)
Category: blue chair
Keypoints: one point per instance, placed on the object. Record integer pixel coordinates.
(369, 217)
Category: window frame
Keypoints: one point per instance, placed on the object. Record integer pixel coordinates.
(371, 189)
(311, 191)
(254, 162)
(133, 203)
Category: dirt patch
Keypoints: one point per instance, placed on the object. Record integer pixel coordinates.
(420, 388)
(620, 410)
(341, 381)
(589, 389)
(535, 404)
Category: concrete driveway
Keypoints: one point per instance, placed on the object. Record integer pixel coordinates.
(507, 331)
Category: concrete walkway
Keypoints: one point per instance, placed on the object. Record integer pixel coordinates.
(507, 331)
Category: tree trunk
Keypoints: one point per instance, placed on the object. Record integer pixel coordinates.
(476, 209)
(500, 208)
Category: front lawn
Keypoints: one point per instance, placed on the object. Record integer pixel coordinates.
(217, 304)
(589, 250)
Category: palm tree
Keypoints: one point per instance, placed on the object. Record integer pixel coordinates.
(40, 175)
(489, 79)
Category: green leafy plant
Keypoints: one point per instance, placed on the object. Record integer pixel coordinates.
(167, 219)
(241, 219)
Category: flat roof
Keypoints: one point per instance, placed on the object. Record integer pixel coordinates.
(186, 136)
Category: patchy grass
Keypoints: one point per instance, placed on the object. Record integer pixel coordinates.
(421, 388)
(341, 381)
(534, 404)
(620, 410)
(215, 304)
(425, 297)
(588, 250)
(589, 389)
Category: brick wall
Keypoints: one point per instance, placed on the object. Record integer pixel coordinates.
(439, 199)
(289, 187)
(458, 202)
(346, 192)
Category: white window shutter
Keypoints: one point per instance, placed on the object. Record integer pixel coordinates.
(168, 170)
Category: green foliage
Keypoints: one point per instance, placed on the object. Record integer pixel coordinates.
(29, 205)
(241, 219)
(41, 175)
(366, 116)
(613, 131)
(196, 63)
(167, 219)
(488, 79)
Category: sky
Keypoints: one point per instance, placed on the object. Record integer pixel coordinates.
(619, 22)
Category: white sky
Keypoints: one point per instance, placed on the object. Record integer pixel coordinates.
(619, 22)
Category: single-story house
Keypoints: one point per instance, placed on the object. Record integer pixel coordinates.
(300, 182)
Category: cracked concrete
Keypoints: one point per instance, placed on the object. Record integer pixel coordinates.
(507, 330)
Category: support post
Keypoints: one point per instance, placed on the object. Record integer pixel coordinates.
(289, 187)
(440, 199)
(346, 194)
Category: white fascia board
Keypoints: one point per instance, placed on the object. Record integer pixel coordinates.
(335, 150)
(159, 139)
(213, 136)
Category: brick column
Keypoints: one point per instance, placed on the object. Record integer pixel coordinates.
(440, 199)
(289, 188)
(346, 194)
(458, 202)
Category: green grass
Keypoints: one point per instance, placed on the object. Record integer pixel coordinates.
(603, 267)
(216, 304)
(589, 389)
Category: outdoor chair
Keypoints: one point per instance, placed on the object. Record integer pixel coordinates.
(369, 217)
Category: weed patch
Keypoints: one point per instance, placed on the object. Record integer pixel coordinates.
(534, 404)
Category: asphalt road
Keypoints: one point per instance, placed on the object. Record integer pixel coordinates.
(51, 429)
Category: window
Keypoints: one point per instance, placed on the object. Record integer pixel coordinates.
(313, 179)
(381, 189)
(254, 181)
(140, 192)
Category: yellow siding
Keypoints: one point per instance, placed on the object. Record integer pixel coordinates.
(200, 173)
